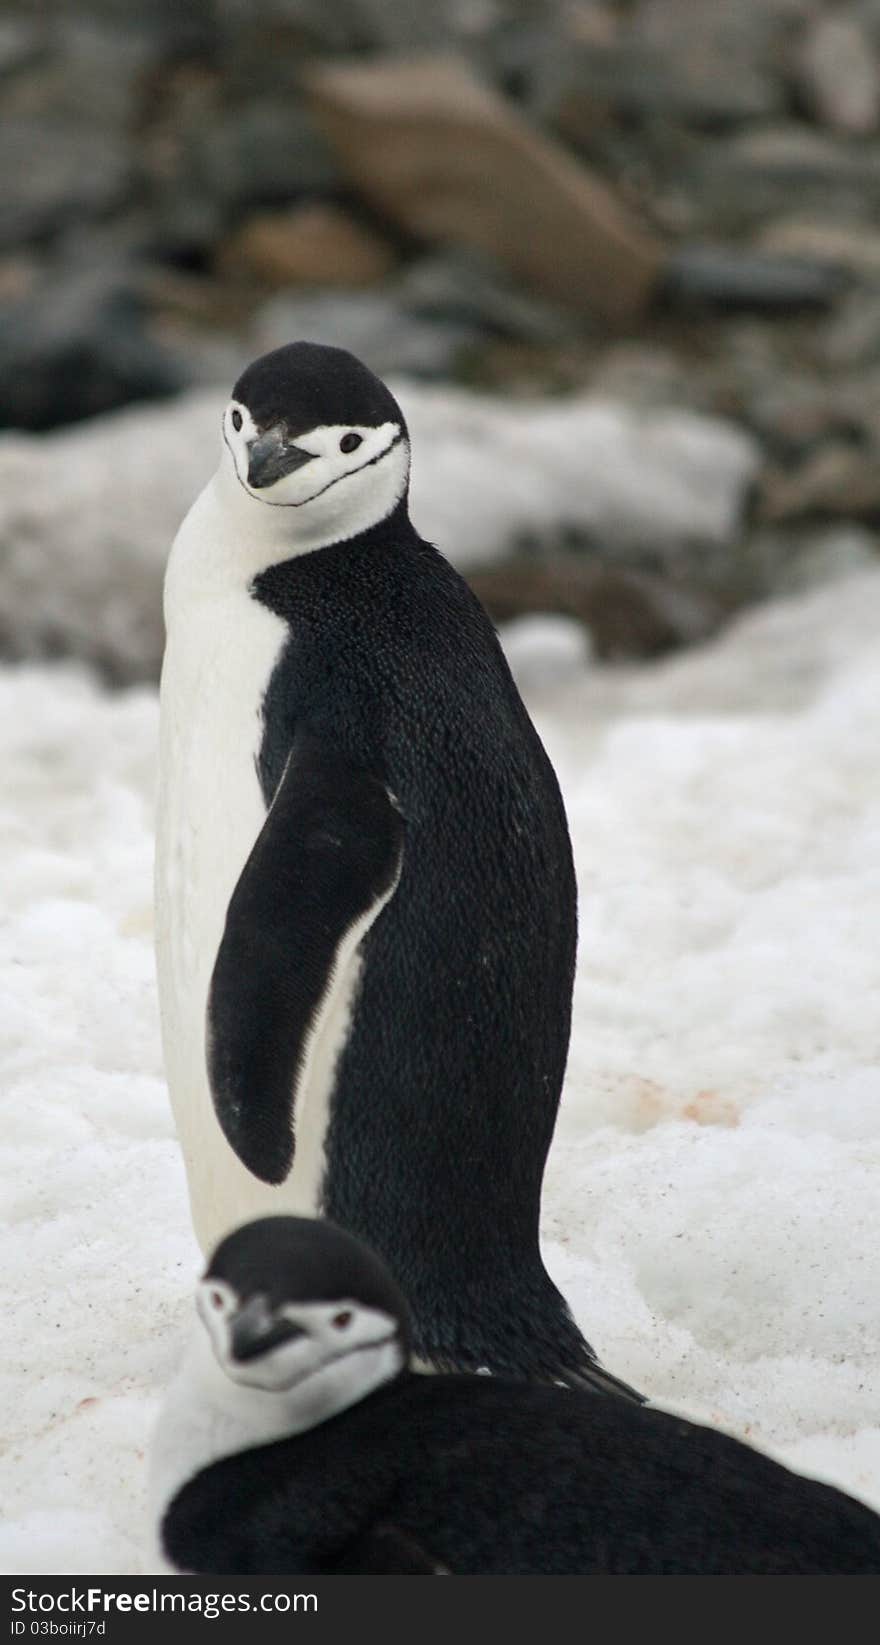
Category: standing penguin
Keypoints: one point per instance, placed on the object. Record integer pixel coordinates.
(295, 1439)
(366, 904)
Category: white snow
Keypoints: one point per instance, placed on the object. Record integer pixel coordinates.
(711, 1197)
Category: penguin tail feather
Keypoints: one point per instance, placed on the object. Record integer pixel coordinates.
(594, 1379)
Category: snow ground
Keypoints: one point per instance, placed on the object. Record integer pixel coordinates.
(712, 1192)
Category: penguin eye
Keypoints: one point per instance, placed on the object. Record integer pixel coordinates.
(236, 420)
(216, 1299)
(350, 442)
(342, 1319)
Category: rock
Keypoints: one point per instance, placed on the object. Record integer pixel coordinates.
(839, 479)
(372, 325)
(18, 276)
(855, 248)
(448, 160)
(852, 336)
(707, 66)
(205, 163)
(628, 613)
(83, 557)
(317, 245)
(838, 74)
(642, 374)
(263, 153)
(21, 46)
(469, 288)
(75, 346)
(358, 25)
(56, 172)
(793, 415)
(743, 180)
(725, 278)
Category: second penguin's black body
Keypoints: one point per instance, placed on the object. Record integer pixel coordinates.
(392, 681)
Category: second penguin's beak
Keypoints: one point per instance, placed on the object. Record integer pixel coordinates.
(271, 456)
(255, 1330)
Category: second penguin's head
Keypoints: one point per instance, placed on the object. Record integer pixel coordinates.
(299, 1308)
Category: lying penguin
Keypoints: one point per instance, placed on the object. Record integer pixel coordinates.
(297, 1440)
(365, 898)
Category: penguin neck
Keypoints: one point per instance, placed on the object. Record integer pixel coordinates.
(229, 539)
(207, 1416)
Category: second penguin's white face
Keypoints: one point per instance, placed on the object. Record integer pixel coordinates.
(365, 467)
(318, 1357)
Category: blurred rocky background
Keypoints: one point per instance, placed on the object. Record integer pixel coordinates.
(621, 259)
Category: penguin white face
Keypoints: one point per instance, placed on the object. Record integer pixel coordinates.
(271, 1328)
(316, 444)
(287, 473)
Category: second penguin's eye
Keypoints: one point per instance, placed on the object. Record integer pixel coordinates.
(350, 442)
(236, 420)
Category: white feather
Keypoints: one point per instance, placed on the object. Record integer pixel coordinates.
(221, 648)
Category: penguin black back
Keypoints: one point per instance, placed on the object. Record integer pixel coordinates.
(460, 1037)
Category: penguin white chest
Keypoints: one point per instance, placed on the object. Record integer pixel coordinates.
(211, 806)
(221, 649)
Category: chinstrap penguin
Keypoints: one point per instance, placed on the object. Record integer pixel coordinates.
(366, 905)
(297, 1440)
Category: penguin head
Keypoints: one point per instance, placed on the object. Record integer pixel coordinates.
(299, 1309)
(315, 445)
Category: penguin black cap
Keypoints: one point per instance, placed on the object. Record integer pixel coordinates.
(311, 385)
(301, 1260)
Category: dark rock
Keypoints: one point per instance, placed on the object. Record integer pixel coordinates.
(743, 180)
(628, 613)
(852, 336)
(357, 25)
(726, 36)
(794, 415)
(56, 172)
(580, 86)
(372, 325)
(726, 278)
(839, 479)
(708, 66)
(207, 163)
(22, 45)
(470, 289)
(263, 153)
(76, 346)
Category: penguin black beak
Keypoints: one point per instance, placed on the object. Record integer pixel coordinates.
(255, 1330)
(270, 457)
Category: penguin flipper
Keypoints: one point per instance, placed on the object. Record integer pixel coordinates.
(326, 860)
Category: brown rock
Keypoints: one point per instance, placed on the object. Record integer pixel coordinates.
(314, 245)
(839, 479)
(449, 160)
(838, 74)
(628, 613)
